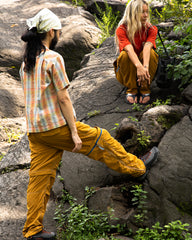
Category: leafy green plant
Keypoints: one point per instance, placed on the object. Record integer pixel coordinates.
(139, 201)
(176, 10)
(160, 102)
(78, 222)
(143, 140)
(180, 70)
(133, 119)
(183, 70)
(136, 107)
(175, 230)
(11, 135)
(107, 21)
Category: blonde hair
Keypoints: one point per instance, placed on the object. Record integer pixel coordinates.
(132, 19)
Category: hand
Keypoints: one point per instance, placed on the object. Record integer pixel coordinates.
(143, 75)
(77, 141)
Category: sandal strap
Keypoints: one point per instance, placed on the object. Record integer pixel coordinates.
(131, 95)
(145, 95)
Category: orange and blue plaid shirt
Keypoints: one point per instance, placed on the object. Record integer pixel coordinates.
(40, 87)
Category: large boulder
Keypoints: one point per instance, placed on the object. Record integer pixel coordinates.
(80, 36)
(11, 97)
(169, 184)
(116, 5)
(13, 25)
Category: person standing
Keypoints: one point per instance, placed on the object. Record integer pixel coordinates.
(137, 63)
(52, 126)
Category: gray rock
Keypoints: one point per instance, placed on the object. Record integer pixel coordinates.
(13, 187)
(13, 25)
(80, 36)
(111, 200)
(169, 181)
(13, 207)
(154, 123)
(17, 156)
(11, 100)
(187, 93)
(116, 5)
(99, 100)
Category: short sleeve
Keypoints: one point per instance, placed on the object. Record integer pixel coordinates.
(59, 75)
(122, 37)
(152, 34)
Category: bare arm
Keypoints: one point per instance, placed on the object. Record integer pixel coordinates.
(146, 54)
(67, 110)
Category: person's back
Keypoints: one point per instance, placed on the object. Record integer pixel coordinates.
(43, 111)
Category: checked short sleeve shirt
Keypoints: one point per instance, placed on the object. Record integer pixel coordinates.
(40, 87)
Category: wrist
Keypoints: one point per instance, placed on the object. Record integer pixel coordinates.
(146, 66)
(138, 65)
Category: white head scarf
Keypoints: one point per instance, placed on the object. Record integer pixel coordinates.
(44, 21)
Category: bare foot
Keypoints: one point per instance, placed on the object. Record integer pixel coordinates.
(144, 99)
(131, 98)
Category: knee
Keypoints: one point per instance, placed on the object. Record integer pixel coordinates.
(154, 56)
(124, 56)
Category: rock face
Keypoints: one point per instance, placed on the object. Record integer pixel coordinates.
(116, 5)
(169, 182)
(80, 35)
(99, 101)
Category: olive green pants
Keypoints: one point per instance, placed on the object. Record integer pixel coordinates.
(127, 72)
(46, 152)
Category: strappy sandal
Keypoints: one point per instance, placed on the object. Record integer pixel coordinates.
(143, 96)
(130, 95)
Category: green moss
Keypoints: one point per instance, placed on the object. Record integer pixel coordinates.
(186, 207)
(167, 121)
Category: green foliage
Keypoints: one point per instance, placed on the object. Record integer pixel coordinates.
(11, 135)
(1, 156)
(136, 107)
(107, 21)
(183, 70)
(93, 113)
(116, 126)
(172, 231)
(143, 141)
(133, 119)
(139, 201)
(164, 121)
(78, 222)
(176, 10)
(78, 3)
(160, 102)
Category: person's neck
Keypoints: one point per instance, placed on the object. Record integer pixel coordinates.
(46, 43)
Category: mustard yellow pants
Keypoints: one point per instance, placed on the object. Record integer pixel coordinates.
(128, 72)
(46, 152)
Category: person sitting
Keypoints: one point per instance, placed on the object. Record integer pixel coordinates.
(135, 39)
